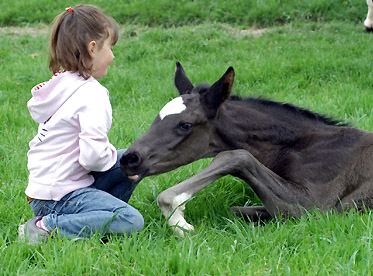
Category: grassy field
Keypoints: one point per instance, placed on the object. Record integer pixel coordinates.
(171, 13)
(312, 61)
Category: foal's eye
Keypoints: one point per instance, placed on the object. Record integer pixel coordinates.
(185, 126)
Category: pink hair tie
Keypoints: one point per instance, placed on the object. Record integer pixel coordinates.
(69, 9)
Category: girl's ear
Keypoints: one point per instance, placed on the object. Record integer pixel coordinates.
(92, 48)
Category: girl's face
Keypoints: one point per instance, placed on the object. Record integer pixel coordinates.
(101, 58)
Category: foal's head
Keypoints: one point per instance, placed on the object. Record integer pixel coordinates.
(180, 134)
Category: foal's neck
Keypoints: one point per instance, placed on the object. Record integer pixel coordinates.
(261, 126)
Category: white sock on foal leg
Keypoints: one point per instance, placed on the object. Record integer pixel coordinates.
(368, 23)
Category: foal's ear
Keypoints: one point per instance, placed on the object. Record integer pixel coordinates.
(182, 82)
(218, 93)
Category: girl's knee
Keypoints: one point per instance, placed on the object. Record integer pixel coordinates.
(137, 220)
(131, 219)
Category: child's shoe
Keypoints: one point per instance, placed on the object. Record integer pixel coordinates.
(32, 233)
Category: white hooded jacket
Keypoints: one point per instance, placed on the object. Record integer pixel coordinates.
(74, 117)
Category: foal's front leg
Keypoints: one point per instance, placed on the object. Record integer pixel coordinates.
(172, 201)
(278, 196)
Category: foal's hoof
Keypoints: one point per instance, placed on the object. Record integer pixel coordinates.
(368, 25)
(181, 230)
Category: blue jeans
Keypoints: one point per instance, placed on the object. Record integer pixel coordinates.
(101, 208)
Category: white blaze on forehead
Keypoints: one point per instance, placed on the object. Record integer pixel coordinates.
(176, 106)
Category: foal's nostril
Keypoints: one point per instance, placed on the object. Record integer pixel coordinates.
(131, 160)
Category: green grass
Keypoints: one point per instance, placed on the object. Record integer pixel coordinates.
(323, 66)
(171, 13)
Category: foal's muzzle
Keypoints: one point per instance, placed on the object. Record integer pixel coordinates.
(130, 163)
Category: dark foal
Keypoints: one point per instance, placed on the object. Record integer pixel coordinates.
(292, 158)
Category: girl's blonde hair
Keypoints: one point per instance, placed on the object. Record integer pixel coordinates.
(72, 31)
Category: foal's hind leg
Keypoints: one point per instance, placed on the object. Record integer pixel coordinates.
(252, 213)
(277, 195)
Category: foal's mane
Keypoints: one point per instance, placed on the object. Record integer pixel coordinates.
(262, 102)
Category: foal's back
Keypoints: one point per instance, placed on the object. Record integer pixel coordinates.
(331, 161)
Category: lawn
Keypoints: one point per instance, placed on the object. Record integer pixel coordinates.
(320, 62)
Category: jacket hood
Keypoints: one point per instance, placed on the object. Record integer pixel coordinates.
(48, 97)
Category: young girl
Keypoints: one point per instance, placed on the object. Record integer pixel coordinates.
(76, 187)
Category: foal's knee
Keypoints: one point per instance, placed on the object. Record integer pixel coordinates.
(236, 160)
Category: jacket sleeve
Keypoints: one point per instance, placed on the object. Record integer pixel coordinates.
(95, 117)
